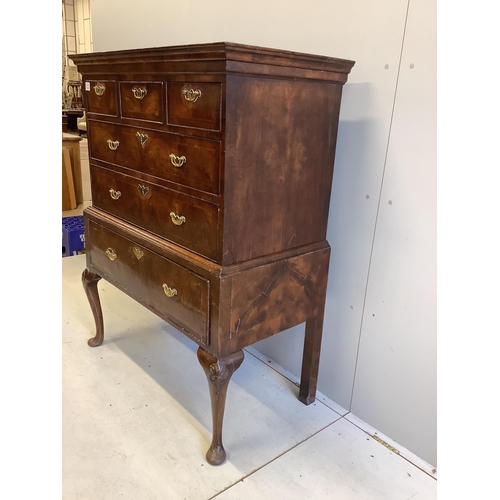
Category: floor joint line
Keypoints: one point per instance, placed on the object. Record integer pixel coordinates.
(271, 461)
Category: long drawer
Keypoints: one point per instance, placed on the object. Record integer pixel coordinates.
(170, 290)
(182, 219)
(185, 160)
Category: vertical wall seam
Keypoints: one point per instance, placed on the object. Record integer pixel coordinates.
(378, 204)
(77, 26)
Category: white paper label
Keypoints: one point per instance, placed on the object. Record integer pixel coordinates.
(87, 86)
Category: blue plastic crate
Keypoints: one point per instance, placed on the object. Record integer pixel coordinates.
(73, 235)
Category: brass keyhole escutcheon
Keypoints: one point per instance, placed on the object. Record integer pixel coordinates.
(142, 138)
(138, 252)
(144, 190)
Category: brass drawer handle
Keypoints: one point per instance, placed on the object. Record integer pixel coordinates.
(144, 190)
(139, 93)
(110, 252)
(177, 219)
(169, 292)
(99, 89)
(138, 252)
(191, 95)
(114, 194)
(177, 161)
(113, 145)
(142, 138)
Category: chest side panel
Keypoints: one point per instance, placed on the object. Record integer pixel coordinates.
(280, 146)
(274, 297)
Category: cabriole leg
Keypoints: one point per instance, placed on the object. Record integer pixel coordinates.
(218, 371)
(90, 280)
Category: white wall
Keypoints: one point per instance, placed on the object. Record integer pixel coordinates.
(379, 347)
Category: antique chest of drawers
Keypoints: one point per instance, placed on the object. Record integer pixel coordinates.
(211, 171)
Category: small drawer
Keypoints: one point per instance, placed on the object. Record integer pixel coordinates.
(195, 105)
(185, 160)
(169, 289)
(142, 101)
(114, 144)
(101, 97)
(185, 220)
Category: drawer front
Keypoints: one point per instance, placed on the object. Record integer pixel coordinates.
(187, 221)
(185, 160)
(115, 144)
(142, 101)
(195, 105)
(171, 290)
(101, 97)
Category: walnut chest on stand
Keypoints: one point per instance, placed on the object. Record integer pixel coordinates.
(211, 169)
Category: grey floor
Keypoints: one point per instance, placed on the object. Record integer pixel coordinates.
(137, 420)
